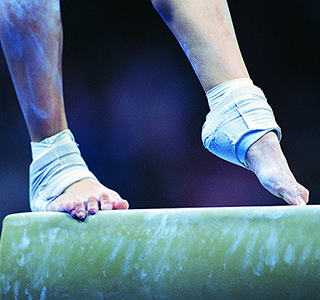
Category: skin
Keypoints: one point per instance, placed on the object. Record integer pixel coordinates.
(31, 37)
(266, 159)
(205, 32)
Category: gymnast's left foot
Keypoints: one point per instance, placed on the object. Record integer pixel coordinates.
(266, 160)
(61, 181)
(87, 196)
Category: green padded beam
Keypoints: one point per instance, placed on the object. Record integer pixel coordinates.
(195, 253)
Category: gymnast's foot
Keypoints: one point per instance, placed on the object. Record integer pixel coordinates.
(266, 160)
(87, 196)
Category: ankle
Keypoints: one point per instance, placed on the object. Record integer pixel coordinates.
(266, 145)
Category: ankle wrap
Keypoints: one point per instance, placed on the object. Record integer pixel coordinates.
(57, 163)
(239, 116)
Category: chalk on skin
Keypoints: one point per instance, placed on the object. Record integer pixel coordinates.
(189, 253)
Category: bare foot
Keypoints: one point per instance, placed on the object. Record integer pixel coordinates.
(266, 160)
(87, 196)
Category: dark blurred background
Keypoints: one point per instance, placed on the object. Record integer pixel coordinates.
(136, 107)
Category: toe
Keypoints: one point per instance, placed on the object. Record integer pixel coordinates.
(105, 202)
(120, 204)
(295, 194)
(90, 197)
(79, 210)
(92, 205)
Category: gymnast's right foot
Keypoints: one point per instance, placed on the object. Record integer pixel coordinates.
(266, 160)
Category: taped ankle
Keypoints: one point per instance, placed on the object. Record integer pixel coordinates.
(239, 116)
(57, 163)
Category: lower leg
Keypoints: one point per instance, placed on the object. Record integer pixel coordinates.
(31, 37)
(205, 32)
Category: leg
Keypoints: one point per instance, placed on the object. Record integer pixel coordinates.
(205, 32)
(31, 37)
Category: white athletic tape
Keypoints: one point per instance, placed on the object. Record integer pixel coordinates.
(57, 163)
(239, 116)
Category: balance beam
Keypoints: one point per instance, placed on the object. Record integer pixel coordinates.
(189, 253)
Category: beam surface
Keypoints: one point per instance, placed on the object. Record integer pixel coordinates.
(189, 253)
